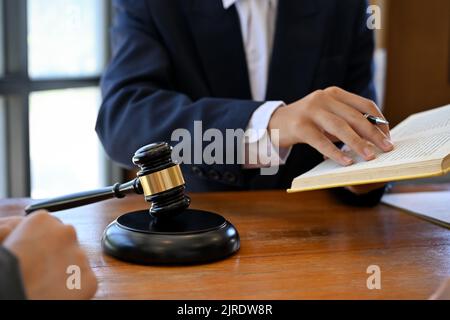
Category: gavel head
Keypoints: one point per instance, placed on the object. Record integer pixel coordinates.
(161, 180)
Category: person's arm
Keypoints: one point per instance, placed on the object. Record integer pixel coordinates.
(140, 101)
(11, 285)
(259, 136)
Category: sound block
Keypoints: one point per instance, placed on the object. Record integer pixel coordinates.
(192, 237)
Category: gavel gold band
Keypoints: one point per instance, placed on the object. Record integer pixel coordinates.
(161, 181)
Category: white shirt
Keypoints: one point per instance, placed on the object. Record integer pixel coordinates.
(258, 19)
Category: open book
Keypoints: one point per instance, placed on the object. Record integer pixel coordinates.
(422, 149)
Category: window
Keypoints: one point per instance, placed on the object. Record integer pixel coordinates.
(55, 52)
(64, 151)
(66, 38)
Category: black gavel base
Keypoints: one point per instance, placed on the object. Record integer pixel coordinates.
(169, 233)
(191, 237)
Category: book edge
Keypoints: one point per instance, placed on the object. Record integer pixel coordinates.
(442, 172)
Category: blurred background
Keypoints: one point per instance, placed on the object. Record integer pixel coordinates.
(52, 53)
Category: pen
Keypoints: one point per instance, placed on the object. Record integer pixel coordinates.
(375, 120)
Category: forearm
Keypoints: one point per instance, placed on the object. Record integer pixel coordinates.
(261, 147)
(126, 123)
(144, 102)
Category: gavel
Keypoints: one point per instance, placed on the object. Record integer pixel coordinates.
(168, 233)
(160, 180)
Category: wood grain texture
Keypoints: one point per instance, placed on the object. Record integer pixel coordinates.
(298, 246)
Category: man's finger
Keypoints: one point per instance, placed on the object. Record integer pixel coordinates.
(363, 127)
(361, 104)
(322, 144)
(341, 129)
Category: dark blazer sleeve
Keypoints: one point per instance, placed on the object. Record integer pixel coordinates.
(360, 80)
(140, 102)
(11, 286)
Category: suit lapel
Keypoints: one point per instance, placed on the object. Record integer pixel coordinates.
(217, 36)
(297, 49)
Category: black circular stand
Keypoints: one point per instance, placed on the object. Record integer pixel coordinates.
(191, 237)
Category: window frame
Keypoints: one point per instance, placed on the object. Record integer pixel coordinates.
(16, 87)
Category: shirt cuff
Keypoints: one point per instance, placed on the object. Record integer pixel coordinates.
(259, 150)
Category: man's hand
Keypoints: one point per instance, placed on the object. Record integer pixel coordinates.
(328, 116)
(45, 249)
(7, 225)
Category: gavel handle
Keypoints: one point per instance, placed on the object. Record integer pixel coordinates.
(88, 197)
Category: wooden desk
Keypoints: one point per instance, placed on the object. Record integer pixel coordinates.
(299, 246)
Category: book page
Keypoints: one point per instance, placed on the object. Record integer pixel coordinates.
(436, 120)
(434, 146)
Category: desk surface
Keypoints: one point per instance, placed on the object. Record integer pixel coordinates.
(298, 246)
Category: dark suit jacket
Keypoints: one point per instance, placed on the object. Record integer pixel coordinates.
(11, 284)
(178, 61)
